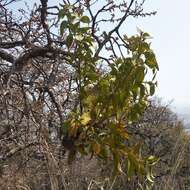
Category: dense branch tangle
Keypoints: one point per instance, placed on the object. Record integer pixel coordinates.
(47, 73)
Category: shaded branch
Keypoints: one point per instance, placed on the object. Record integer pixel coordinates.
(7, 45)
(6, 56)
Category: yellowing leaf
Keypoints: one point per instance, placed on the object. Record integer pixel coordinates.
(122, 132)
(73, 130)
(150, 176)
(96, 147)
(152, 160)
(85, 118)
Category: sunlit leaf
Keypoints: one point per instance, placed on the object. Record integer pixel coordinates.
(85, 118)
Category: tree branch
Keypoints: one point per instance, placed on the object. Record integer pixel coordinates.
(7, 56)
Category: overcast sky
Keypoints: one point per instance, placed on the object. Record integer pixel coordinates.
(170, 29)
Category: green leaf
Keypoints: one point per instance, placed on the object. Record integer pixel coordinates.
(143, 47)
(152, 88)
(75, 27)
(64, 25)
(146, 35)
(142, 90)
(130, 169)
(85, 19)
(69, 40)
(61, 14)
(140, 74)
(65, 126)
(150, 60)
(117, 164)
(84, 29)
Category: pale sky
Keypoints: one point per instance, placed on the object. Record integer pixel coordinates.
(170, 30)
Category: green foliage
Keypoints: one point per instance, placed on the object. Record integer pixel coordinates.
(110, 99)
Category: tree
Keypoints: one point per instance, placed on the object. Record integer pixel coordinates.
(70, 84)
